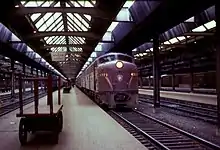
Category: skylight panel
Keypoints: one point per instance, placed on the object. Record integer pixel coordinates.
(57, 4)
(23, 2)
(75, 4)
(54, 39)
(199, 29)
(84, 28)
(167, 42)
(80, 40)
(46, 4)
(88, 4)
(192, 19)
(31, 4)
(134, 50)
(53, 49)
(181, 38)
(67, 5)
(107, 36)
(63, 42)
(37, 56)
(112, 26)
(35, 16)
(59, 41)
(73, 40)
(55, 23)
(43, 27)
(98, 48)
(94, 54)
(88, 17)
(210, 25)
(39, 23)
(48, 39)
(173, 40)
(90, 59)
(62, 49)
(128, 4)
(71, 27)
(47, 15)
(58, 26)
(61, 28)
(82, 21)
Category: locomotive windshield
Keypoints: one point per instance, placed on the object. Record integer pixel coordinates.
(107, 59)
(125, 58)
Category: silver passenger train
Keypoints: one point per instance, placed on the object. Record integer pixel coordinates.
(113, 79)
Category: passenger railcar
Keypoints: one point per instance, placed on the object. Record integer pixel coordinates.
(112, 79)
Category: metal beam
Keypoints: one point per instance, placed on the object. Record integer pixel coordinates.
(199, 34)
(174, 45)
(217, 40)
(94, 12)
(83, 46)
(64, 15)
(106, 41)
(156, 71)
(61, 33)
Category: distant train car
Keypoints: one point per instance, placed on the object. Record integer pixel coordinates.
(113, 79)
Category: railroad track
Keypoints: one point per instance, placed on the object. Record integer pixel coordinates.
(155, 134)
(195, 110)
(5, 97)
(7, 108)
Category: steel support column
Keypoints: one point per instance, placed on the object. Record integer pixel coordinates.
(45, 83)
(31, 81)
(12, 78)
(141, 81)
(217, 41)
(156, 71)
(24, 73)
(173, 77)
(191, 76)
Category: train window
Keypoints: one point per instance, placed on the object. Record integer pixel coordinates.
(125, 58)
(107, 59)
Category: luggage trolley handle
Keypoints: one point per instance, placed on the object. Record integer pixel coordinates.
(36, 97)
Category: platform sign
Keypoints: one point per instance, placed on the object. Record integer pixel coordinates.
(58, 56)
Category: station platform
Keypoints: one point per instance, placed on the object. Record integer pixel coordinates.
(192, 97)
(86, 127)
(184, 89)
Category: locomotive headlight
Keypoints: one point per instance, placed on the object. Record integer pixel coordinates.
(134, 74)
(119, 64)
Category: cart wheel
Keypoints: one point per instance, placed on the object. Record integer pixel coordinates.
(55, 137)
(60, 121)
(22, 132)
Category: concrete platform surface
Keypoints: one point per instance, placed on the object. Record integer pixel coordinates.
(86, 127)
(193, 97)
